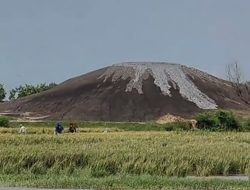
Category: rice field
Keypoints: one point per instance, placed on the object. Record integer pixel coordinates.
(97, 156)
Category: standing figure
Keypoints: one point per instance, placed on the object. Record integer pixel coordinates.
(22, 129)
(58, 128)
(72, 128)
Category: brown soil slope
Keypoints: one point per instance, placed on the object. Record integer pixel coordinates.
(132, 92)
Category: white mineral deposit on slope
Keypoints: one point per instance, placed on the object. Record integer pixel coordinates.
(164, 75)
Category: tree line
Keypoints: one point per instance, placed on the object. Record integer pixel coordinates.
(24, 90)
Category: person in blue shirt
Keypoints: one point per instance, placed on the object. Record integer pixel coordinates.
(58, 128)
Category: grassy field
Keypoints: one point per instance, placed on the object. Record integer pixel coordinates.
(92, 126)
(123, 160)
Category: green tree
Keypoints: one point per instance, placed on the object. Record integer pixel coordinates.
(2, 92)
(218, 121)
(27, 90)
(13, 93)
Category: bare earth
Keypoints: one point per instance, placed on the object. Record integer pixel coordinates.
(115, 94)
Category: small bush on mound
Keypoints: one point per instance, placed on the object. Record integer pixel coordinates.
(218, 121)
(178, 126)
(4, 122)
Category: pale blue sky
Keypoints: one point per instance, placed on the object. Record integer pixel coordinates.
(53, 40)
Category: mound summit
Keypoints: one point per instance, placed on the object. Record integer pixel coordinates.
(132, 92)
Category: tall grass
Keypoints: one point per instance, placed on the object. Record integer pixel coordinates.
(126, 153)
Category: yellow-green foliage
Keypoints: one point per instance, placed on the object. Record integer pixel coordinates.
(103, 154)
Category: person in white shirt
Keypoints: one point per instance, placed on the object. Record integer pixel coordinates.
(22, 129)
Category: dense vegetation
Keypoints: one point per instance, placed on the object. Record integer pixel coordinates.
(4, 122)
(218, 121)
(101, 156)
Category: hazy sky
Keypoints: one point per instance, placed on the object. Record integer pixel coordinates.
(53, 40)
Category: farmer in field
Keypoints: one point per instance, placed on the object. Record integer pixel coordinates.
(22, 129)
(72, 128)
(58, 128)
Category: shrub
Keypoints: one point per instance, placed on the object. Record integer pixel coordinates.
(246, 125)
(227, 120)
(4, 122)
(207, 120)
(219, 120)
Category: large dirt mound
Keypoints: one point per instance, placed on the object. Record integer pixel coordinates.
(132, 92)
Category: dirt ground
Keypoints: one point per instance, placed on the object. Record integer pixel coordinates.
(89, 98)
